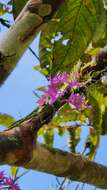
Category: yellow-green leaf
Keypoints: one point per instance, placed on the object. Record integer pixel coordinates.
(6, 120)
(14, 171)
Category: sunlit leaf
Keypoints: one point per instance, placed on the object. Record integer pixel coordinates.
(41, 88)
(2, 9)
(65, 39)
(6, 120)
(14, 171)
(92, 144)
(94, 51)
(104, 122)
(73, 138)
(61, 130)
(97, 95)
(48, 137)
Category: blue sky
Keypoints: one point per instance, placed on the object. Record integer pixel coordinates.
(17, 98)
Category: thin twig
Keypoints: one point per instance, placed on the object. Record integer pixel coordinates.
(83, 185)
(77, 186)
(31, 50)
(61, 185)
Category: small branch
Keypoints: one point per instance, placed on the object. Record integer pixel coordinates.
(31, 50)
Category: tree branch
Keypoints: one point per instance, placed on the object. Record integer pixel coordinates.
(34, 17)
(17, 147)
(69, 165)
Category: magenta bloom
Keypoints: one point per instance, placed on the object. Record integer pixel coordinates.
(74, 84)
(2, 175)
(52, 92)
(57, 87)
(54, 87)
(43, 100)
(11, 184)
(77, 101)
(7, 182)
(59, 79)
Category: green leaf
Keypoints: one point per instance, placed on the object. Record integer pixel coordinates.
(42, 71)
(95, 115)
(14, 170)
(18, 6)
(2, 9)
(73, 138)
(41, 88)
(92, 143)
(6, 120)
(98, 103)
(41, 131)
(61, 130)
(65, 114)
(101, 23)
(104, 122)
(37, 67)
(102, 41)
(48, 137)
(94, 51)
(65, 117)
(67, 36)
(98, 112)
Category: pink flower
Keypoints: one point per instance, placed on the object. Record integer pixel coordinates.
(59, 79)
(43, 100)
(11, 184)
(7, 182)
(2, 175)
(57, 87)
(74, 84)
(52, 92)
(77, 101)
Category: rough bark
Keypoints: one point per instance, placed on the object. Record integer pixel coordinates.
(64, 164)
(30, 21)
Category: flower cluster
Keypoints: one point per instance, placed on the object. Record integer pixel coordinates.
(58, 86)
(77, 101)
(7, 182)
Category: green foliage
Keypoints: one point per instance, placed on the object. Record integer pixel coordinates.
(18, 6)
(73, 138)
(92, 143)
(2, 9)
(98, 112)
(48, 137)
(66, 113)
(61, 130)
(14, 171)
(104, 122)
(65, 39)
(6, 120)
